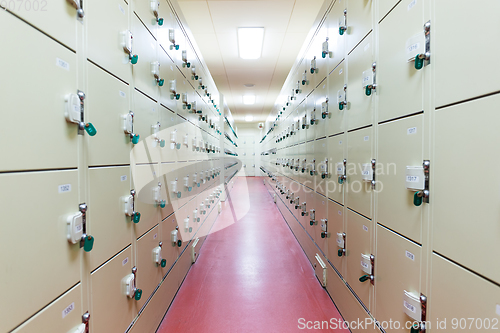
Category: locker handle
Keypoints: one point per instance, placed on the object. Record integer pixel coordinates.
(368, 90)
(415, 328)
(364, 278)
(163, 203)
(176, 96)
(135, 138)
(179, 243)
(134, 59)
(340, 252)
(341, 180)
(342, 30)
(160, 82)
(341, 106)
(160, 21)
(136, 217)
(418, 198)
(138, 294)
(88, 243)
(163, 263)
(419, 62)
(90, 129)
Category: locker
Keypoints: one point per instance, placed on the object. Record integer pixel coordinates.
(108, 190)
(336, 42)
(399, 84)
(458, 136)
(360, 106)
(149, 272)
(359, 170)
(481, 301)
(317, 51)
(44, 235)
(185, 104)
(169, 23)
(107, 26)
(448, 36)
(397, 269)
(187, 227)
(57, 20)
(400, 145)
(108, 109)
(359, 232)
(62, 315)
(149, 12)
(359, 21)
(335, 226)
(145, 182)
(145, 45)
(335, 122)
(335, 185)
(112, 310)
(322, 109)
(55, 80)
(321, 177)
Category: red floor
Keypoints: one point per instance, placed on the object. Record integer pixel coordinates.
(251, 276)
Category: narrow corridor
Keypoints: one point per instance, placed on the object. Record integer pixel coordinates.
(251, 275)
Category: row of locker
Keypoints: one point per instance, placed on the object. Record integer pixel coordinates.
(382, 281)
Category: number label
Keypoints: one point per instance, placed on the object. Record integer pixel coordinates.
(410, 255)
(63, 64)
(412, 130)
(125, 261)
(410, 307)
(412, 179)
(64, 188)
(68, 310)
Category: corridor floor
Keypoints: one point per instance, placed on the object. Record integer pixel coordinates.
(251, 275)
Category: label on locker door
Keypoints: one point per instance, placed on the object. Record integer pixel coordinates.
(63, 64)
(367, 78)
(415, 45)
(411, 305)
(412, 4)
(64, 188)
(68, 310)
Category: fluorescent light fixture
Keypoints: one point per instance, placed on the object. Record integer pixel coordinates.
(249, 99)
(249, 118)
(250, 42)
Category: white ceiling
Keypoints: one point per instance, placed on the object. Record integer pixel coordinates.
(214, 26)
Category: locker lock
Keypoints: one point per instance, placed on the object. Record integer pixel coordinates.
(314, 69)
(324, 109)
(370, 80)
(304, 79)
(341, 243)
(342, 98)
(185, 102)
(417, 179)
(77, 229)
(173, 92)
(174, 188)
(313, 117)
(77, 5)
(174, 237)
(155, 4)
(304, 209)
(420, 58)
(312, 217)
(129, 202)
(185, 62)
(74, 112)
(186, 184)
(193, 73)
(156, 130)
(341, 172)
(196, 218)
(171, 38)
(368, 267)
(157, 257)
(312, 172)
(173, 140)
(187, 228)
(128, 127)
(324, 169)
(324, 229)
(343, 23)
(325, 52)
(304, 165)
(155, 70)
(129, 286)
(157, 197)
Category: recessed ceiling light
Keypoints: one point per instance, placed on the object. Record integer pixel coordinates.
(249, 99)
(249, 118)
(249, 85)
(250, 42)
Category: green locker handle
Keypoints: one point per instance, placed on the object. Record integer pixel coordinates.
(160, 22)
(311, 223)
(177, 47)
(340, 252)
(179, 194)
(189, 106)
(419, 62)
(138, 294)
(162, 143)
(135, 139)
(303, 214)
(161, 82)
(198, 184)
(341, 180)
(163, 263)
(189, 189)
(190, 229)
(196, 77)
(417, 200)
(364, 278)
(323, 176)
(341, 31)
(177, 96)
(415, 328)
(323, 54)
(88, 244)
(304, 82)
(313, 70)
(368, 90)
(312, 121)
(311, 173)
(341, 106)
(90, 129)
(179, 243)
(134, 59)
(178, 146)
(323, 235)
(137, 217)
(323, 115)
(188, 64)
(163, 203)
(303, 170)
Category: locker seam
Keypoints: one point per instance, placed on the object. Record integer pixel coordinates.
(146, 95)
(352, 210)
(390, 11)
(402, 117)
(467, 100)
(397, 233)
(361, 41)
(359, 128)
(105, 70)
(37, 170)
(144, 26)
(113, 257)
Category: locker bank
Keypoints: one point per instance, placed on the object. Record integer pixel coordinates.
(249, 166)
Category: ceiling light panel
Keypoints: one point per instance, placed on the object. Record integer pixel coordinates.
(249, 99)
(250, 42)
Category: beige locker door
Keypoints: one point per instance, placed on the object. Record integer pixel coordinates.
(58, 20)
(312, 162)
(146, 117)
(145, 48)
(479, 310)
(168, 72)
(188, 58)
(107, 105)
(169, 22)
(400, 145)
(171, 129)
(359, 191)
(317, 51)
(107, 22)
(400, 85)
(302, 155)
(466, 144)
(184, 217)
(144, 10)
(359, 232)
(397, 269)
(335, 155)
(301, 111)
(336, 43)
(321, 179)
(112, 310)
(448, 29)
(145, 181)
(321, 97)
(182, 106)
(309, 107)
(43, 234)
(170, 251)
(107, 222)
(321, 208)
(335, 122)
(47, 140)
(360, 106)
(335, 226)
(62, 315)
(359, 21)
(149, 273)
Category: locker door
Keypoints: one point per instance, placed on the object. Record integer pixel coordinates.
(62, 315)
(397, 269)
(149, 13)
(359, 171)
(359, 231)
(322, 107)
(109, 111)
(309, 113)
(184, 107)
(33, 111)
(480, 302)
(335, 226)
(41, 235)
(311, 166)
(301, 112)
(449, 29)
(400, 84)
(145, 45)
(322, 165)
(317, 48)
(336, 118)
(146, 119)
(58, 20)
(171, 249)
(400, 146)
(107, 26)
(302, 156)
(336, 42)
(169, 23)
(459, 133)
(107, 221)
(149, 272)
(359, 21)
(112, 310)
(335, 185)
(171, 132)
(145, 182)
(184, 217)
(170, 74)
(360, 106)
(320, 206)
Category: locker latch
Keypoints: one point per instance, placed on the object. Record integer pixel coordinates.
(129, 203)
(128, 127)
(75, 110)
(171, 38)
(368, 172)
(417, 179)
(297, 200)
(186, 184)
(304, 79)
(304, 209)
(77, 4)
(129, 284)
(341, 243)
(325, 52)
(314, 68)
(196, 218)
(194, 76)
(157, 196)
(157, 257)
(297, 165)
(84, 326)
(77, 229)
(297, 89)
(313, 117)
(187, 228)
(341, 171)
(202, 208)
(324, 169)
(185, 103)
(312, 172)
(175, 191)
(173, 88)
(416, 308)
(304, 165)
(157, 140)
(305, 125)
(312, 217)
(324, 229)
(127, 39)
(155, 70)
(343, 23)
(420, 58)
(292, 197)
(173, 140)
(185, 62)
(324, 109)
(370, 79)
(155, 4)
(174, 237)
(368, 267)
(342, 98)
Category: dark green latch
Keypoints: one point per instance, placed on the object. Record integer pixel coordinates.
(88, 243)
(418, 198)
(364, 278)
(137, 217)
(163, 263)
(419, 62)
(90, 129)
(138, 294)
